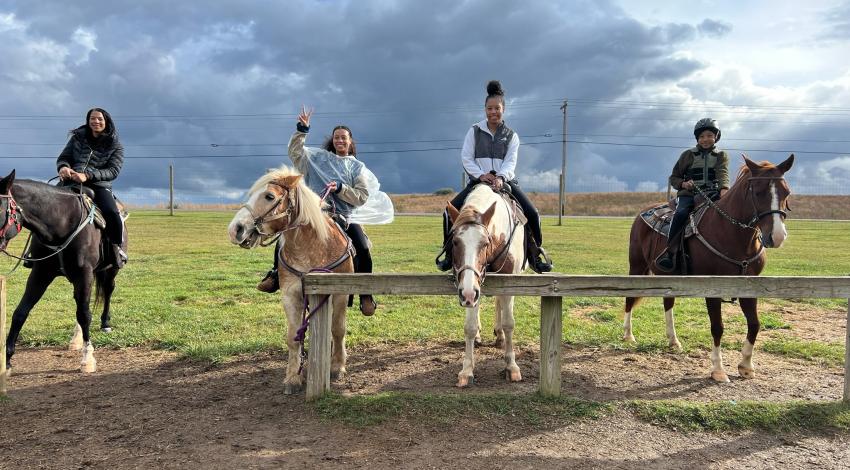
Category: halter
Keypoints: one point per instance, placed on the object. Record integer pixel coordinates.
(12, 219)
(480, 275)
(268, 215)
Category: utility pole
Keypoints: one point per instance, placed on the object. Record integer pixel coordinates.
(562, 196)
(171, 189)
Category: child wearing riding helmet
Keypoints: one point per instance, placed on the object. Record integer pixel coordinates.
(702, 170)
(489, 156)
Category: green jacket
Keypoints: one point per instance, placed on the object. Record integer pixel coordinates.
(708, 172)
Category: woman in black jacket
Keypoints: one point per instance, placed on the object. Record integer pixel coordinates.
(93, 158)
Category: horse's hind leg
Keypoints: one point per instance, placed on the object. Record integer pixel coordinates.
(718, 374)
(498, 331)
(37, 284)
(108, 286)
(505, 308)
(750, 308)
(82, 296)
(631, 303)
(471, 328)
(338, 353)
(672, 339)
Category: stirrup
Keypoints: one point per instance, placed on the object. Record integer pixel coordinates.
(666, 262)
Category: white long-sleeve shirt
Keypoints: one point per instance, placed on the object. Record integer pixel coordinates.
(475, 167)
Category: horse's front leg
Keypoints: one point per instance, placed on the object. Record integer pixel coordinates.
(498, 332)
(37, 284)
(292, 305)
(108, 287)
(471, 328)
(338, 353)
(82, 297)
(505, 308)
(718, 374)
(750, 308)
(672, 338)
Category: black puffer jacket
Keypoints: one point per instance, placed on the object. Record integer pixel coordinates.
(100, 162)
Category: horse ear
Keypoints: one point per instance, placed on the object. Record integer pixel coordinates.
(6, 183)
(291, 181)
(786, 165)
(753, 166)
(488, 214)
(452, 212)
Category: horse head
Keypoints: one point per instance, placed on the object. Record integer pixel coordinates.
(766, 196)
(9, 208)
(278, 201)
(471, 247)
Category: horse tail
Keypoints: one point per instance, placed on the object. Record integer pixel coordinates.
(99, 282)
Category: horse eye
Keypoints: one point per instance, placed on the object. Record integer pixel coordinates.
(269, 197)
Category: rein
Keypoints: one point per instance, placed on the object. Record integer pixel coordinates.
(751, 224)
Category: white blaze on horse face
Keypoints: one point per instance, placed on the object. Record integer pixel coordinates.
(243, 219)
(469, 283)
(779, 233)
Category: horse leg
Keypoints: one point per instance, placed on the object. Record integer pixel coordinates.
(628, 335)
(291, 300)
(471, 329)
(717, 372)
(750, 308)
(108, 286)
(498, 329)
(672, 339)
(478, 340)
(505, 308)
(37, 284)
(338, 353)
(82, 297)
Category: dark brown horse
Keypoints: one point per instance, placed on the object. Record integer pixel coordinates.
(729, 240)
(65, 243)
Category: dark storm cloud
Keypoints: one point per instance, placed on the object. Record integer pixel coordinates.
(392, 71)
(714, 28)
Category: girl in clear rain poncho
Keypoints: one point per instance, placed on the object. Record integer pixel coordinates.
(354, 194)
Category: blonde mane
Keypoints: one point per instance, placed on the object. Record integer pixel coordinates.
(308, 205)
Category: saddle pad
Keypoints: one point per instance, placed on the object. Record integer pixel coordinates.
(659, 218)
(99, 221)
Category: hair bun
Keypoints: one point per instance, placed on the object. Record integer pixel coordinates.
(494, 88)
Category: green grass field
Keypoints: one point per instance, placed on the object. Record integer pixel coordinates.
(188, 289)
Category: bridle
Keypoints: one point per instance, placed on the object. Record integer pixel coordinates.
(481, 274)
(12, 220)
(269, 215)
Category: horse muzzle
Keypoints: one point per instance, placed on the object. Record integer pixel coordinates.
(244, 236)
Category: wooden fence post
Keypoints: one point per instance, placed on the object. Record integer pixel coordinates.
(550, 345)
(3, 337)
(319, 356)
(847, 357)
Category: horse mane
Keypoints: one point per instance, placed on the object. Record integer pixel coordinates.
(744, 172)
(476, 203)
(308, 205)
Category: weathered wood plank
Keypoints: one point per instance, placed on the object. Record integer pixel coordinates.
(319, 355)
(3, 371)
(587, 285)
(551, 334)
(847, 357)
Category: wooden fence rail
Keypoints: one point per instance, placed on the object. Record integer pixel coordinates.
(551, 288)
(2, 336)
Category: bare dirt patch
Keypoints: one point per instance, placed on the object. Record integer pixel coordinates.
(150, 409)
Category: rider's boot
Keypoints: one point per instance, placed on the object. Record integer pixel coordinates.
(368, 305)
(270, 283)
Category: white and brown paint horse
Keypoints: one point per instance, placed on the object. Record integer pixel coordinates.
(486, 236)
(730, 240)
(280, 203)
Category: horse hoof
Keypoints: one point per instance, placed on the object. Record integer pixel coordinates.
(629, 339)
(675, 346)
(89, 368)
(746, 372)
(463, 382)
(477, 342)
(513, 375)
(106, 329)
(499, 344)
(291, 389)
(719, 376)
(336, 375)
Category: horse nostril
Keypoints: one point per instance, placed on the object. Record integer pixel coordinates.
(240, 229)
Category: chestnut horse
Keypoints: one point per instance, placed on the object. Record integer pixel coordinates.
(280, 203)
(729, 240)
(486, 236)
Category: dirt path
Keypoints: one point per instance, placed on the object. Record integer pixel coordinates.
(148, 409)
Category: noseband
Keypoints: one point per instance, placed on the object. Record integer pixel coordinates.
(12, 219)
(757, 215)
(269, 215)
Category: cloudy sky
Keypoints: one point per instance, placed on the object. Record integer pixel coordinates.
(213, 87)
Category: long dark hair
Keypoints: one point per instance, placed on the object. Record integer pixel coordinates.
(329, 143)
(109, 134)
(494, 90)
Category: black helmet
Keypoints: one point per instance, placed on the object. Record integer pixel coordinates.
(707, 124)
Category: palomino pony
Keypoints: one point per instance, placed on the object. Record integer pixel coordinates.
(66, 243)
(729, 240)
(280, 203)
(486, 236)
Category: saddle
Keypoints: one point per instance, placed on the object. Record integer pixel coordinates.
(659, 218)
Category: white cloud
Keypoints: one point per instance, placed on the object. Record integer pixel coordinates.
(86, 40)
